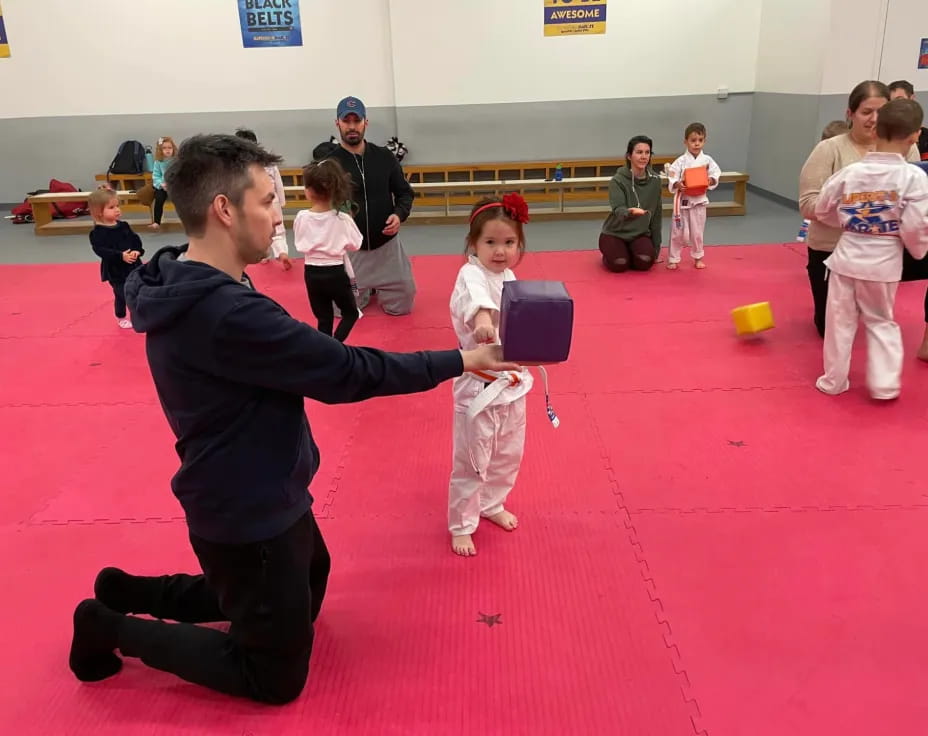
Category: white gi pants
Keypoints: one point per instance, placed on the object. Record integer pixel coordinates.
(278, 244)
(694, 224)
(494, 441)
(850, 299)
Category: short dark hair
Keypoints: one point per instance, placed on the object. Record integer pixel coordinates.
(209, 165)
(694, 128)
(899, 119)
(634, 141)
(903, 85)
(248, 135)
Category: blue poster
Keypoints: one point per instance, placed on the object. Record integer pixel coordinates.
(923, 55)
(4, 44)
(270, 23)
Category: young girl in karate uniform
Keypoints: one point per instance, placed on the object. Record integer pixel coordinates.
(489, 408)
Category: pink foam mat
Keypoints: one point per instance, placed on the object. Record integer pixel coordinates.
(707, 544)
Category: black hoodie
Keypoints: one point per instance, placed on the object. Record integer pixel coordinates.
(231, 368)
(380, 190)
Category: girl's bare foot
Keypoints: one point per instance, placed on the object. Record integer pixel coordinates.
(504, 519)
(923, 350)
(699, 263)
(463, 545)
(672, 266)
(154, 226)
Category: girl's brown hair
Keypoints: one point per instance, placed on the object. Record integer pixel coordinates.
(159, 154)
(478, 221)
(98, 199)
(329, 181)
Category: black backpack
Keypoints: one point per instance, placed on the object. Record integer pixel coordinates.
(129, 159)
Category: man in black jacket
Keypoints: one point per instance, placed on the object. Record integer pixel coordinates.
(232, 368)
(383, 201)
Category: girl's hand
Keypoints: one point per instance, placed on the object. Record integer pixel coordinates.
(127, 256)
(484, 334)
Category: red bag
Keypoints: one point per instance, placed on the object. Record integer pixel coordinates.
(22, 213)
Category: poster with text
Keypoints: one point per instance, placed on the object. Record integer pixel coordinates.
(270, 23)
(4, 44)
(923, 55)
(574, 17)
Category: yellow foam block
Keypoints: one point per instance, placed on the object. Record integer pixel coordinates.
(752, 318)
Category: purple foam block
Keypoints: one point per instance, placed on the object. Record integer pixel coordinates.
(536, 321)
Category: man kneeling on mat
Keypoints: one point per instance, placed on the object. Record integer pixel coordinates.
(231, 368)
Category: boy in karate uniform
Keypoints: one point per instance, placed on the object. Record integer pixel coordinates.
(881, 204)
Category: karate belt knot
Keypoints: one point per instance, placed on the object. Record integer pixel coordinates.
(496, 383)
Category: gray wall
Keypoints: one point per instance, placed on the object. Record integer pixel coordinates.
(33, 150)
(767, 135)
(74, 149)
(581, 129)
(784, 130)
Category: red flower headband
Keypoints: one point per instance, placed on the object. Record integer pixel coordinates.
(515, 205)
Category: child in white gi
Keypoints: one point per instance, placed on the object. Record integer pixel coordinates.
(279, 249)
(489, 408)
(881, 203)
(689, 225)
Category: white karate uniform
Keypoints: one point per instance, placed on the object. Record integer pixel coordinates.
(881, 203)
(489, 417)
(692, 209)
(279, 242)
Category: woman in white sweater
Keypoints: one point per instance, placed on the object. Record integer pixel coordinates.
(828, 157)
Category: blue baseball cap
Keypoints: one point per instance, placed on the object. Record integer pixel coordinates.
(351, 105)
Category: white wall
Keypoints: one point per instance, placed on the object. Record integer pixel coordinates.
(789, 55)
(906, 25)
(853, 44)
(163, 56)
(495, 51)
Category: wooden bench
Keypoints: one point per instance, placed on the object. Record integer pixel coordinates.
(46, 225)
(436, 202)
(131, 183)
(569, 199)
(479, 172)
(590, 183)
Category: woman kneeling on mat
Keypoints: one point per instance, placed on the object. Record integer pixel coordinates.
(631, 236)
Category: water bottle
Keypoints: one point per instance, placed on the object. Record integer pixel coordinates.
(803, 231)
(149, 159)
(558, 173)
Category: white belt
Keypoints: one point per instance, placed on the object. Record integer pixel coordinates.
(496, 384)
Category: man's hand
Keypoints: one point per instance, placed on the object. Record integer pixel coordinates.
(487, 358)
(393, 225)
(285, 261)
(636, 211)
(127, 256)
